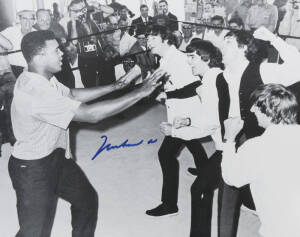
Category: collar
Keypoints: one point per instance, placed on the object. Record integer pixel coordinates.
(211, 72)
(39, 80)
(236, 71)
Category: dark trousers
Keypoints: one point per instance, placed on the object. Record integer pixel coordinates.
(229, 204)
(202, 191)
(7, 84)
(96, 71)
(39, 183)
(168, 153)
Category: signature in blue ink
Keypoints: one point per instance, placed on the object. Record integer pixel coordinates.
(109, 147)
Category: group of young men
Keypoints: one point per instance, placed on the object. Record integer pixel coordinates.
(222, 105)
(225, 94)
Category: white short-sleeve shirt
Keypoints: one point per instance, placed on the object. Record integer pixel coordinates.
(41, 112)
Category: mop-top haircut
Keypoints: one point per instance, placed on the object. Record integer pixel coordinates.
(163, 32)
(207, 51)
(277, 102)
(245, 38)
(34, 42)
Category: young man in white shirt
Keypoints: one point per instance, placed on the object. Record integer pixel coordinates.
(270, 162)
(206, 61)
(182, 101)
(42, 110)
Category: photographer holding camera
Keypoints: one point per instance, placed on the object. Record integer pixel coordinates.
(93, 64)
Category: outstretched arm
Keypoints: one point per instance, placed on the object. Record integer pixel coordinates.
(5, 43)
(89, 94)
(101, 110)
(286, 73)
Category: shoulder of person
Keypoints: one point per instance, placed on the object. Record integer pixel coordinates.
(136, 20)
(9, 29)
(220, 81)
(172, 15)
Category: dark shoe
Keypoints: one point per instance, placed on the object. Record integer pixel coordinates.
(163, 210)
(193, 171)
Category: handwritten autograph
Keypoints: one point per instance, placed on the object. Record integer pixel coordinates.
(109, 147)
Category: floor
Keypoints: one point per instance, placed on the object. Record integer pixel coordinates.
(128, 181)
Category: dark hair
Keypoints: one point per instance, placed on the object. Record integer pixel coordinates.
(163, 32)
(74, 2)
(143, 6)
(207, 51)
(34, 42)
(245, 38)
(123, 7)
(161, 1)
(217, 18)
(237, 20)
(179, 38)
(277, 102)
(196, 39)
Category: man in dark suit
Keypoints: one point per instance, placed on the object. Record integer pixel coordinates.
(141, 23)
(172, 24)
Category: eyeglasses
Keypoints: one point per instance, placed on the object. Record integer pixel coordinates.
(84, 10)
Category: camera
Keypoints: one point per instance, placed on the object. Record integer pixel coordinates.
(89, 48)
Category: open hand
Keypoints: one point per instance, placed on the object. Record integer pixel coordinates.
(132, 75)
(152, 82)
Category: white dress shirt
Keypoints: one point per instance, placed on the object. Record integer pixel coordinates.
(176, 65)
(40, 112)
(207, 121)
(270, 164)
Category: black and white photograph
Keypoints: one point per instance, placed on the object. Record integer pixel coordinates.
(149, 118)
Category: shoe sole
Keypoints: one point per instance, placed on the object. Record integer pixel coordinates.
(167, 215)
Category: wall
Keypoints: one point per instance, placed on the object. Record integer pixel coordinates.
(6, 14)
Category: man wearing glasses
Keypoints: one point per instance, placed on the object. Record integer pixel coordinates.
(91, 59)
(15, 35)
